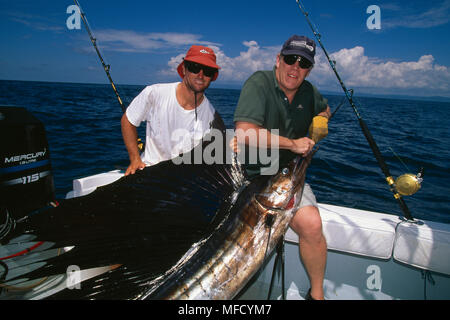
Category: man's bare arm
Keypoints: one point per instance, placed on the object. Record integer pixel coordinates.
(130, 138)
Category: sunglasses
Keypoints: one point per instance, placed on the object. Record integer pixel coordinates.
(302, 62)
(195, 68)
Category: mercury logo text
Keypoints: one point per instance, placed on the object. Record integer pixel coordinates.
(26, 157)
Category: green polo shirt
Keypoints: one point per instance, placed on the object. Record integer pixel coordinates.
(263, 103)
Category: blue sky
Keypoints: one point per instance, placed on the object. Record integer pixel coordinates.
(144, 41)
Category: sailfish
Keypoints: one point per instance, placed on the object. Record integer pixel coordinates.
(171, 231)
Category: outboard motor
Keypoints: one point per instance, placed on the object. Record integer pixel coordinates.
(26, 180)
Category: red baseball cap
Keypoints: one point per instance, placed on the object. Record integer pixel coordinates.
(202, 55)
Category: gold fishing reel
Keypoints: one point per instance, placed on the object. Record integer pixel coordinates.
(408, 184)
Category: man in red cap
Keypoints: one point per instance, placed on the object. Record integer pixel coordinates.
(178, 114)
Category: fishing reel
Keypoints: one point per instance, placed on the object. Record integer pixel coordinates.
(408, 184)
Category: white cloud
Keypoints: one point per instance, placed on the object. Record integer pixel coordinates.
(236, 69)
(131, 41)
(241, 67)
(356, 69)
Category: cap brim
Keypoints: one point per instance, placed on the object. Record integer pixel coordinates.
(204, 62)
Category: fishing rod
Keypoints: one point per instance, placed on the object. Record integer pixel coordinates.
(106, 67)
(406, 184)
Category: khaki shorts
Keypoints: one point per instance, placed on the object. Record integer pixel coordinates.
(308, 198)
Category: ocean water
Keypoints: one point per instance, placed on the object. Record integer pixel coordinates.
(82, 122)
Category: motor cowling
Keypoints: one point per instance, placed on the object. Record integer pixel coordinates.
(26, 179)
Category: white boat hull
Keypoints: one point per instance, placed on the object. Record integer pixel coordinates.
(370, 256)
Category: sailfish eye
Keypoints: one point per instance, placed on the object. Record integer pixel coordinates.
(285, 171)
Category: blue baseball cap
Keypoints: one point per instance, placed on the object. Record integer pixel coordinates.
(301, 46)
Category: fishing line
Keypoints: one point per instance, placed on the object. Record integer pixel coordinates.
(401, 161)
(25, 251)
(337, 108)
(9, 224)
(349, 94)
(195, 105)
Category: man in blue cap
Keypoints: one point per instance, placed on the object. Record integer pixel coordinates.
(282, 100)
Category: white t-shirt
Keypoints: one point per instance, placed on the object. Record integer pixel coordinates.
(171, 130)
